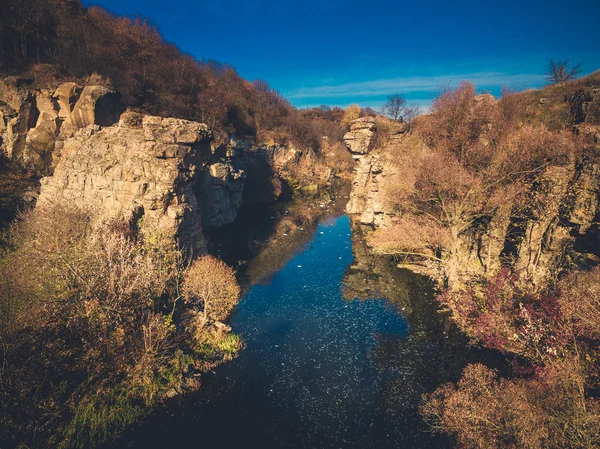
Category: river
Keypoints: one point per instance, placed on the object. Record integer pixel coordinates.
(321, 368)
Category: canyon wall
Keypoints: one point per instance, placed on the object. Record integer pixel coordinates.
(166, 175)
(559, 226)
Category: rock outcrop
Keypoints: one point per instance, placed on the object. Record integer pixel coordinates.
(220, 187)
(360, 137)
(34, 123)
(141, 170)
(366, 199)
(16, 116)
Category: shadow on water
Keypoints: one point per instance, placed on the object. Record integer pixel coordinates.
(340, 347)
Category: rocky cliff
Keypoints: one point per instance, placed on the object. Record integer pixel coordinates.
(34, 123)
(558, 228)
(142, 170)
(369, 147)
(166, 174)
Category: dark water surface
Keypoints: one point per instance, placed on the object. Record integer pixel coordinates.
(319, 370)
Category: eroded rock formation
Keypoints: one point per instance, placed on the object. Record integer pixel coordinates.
(165, 175)
(360, 137)
(366, 198)
(34, 123)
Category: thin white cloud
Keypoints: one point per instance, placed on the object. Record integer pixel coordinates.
(413, 84)
(423, 103)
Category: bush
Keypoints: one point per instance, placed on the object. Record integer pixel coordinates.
(351, 113)
(546, 411)
(210, 283)
(549, 401)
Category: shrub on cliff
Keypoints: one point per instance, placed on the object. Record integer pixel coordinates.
(89, 331)
(351, 113)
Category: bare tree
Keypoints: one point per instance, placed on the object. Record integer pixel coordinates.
(562, 71)
(412, 111)
(395, 107)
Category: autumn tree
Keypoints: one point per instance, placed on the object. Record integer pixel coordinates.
(351, 113)
(99, 287)
(549, 410)
(211, 283)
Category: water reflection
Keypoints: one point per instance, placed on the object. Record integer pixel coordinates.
(321, 368)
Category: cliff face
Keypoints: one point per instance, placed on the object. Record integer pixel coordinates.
(166, 174)
(34, 123)
(163, 174)
(558, 227)
(371, 170)
(142, 170)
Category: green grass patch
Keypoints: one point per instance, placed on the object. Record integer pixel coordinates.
(98, 418)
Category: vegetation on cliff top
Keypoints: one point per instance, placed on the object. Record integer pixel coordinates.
(61, 39)
(474, 158)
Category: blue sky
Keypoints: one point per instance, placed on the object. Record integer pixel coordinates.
(340, 52)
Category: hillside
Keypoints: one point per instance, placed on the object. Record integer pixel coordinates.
(53, 41)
